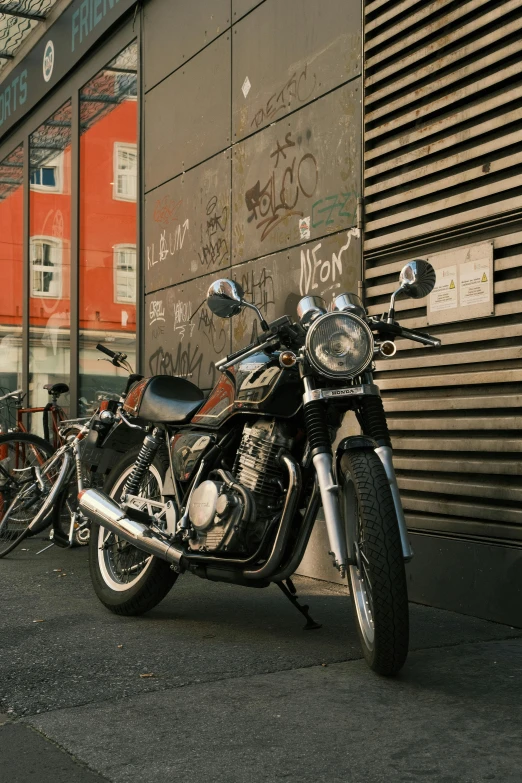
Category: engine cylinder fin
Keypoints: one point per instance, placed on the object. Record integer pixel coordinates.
(256, 464)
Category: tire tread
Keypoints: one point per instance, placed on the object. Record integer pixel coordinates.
(384, 551)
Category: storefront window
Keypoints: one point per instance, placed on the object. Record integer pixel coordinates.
(50, 255)
(108, 224)
(11, 264)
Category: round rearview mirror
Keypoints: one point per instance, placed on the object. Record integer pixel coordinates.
(417, 278)
(225, 297)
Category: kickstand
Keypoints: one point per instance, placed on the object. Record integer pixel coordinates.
(290, 591)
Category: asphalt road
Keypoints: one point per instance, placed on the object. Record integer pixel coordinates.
(221, 683)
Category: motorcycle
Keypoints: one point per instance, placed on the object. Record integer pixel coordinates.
(228, 488)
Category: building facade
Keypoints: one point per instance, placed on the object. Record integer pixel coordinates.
(147, 148)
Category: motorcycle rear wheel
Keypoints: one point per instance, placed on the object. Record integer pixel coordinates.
(126, 580)
(377, 583)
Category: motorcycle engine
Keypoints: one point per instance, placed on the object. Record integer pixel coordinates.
(231, 515)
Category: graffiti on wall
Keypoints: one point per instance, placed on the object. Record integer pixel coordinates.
(213, 251)
(298, 89)
(293, 176)
(318, 270)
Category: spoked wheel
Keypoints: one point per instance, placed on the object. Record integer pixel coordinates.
(378, 581)
(126, 580)
(24, 485)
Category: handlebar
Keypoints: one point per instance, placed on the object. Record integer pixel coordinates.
(241, 351)
(11, 394)
(118, 359)
(396, 330)
(233, 358)
(106, 351)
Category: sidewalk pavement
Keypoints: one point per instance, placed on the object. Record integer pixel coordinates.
(237, 691)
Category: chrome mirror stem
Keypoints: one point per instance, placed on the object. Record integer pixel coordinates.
(391, 311)
(264, 324)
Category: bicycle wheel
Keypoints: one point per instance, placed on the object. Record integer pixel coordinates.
(22, 490)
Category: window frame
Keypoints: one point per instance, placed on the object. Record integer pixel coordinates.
(124, 34)
(115, 250)
(57, 163)
(57, 244)
(123, 146)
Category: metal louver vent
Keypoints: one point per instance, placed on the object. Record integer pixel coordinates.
(443, 164)
(443, 116)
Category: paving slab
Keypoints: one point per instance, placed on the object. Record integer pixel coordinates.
(60, 647)
(452, 716)
(27, 755)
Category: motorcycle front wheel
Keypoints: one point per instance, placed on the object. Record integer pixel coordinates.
(378, 580)
(125, 579)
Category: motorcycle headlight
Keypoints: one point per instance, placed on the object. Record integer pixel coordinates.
(339, 345)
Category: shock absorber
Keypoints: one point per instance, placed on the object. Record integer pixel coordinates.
(149, 448)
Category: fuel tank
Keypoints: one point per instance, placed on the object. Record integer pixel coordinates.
(258, 385)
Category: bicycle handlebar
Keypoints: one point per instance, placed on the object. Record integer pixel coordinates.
(11, 394)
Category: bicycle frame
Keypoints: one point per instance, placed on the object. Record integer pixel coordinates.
(57, 416)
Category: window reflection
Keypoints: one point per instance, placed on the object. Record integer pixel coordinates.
(50, 255)
(11, 262)
(108, 192)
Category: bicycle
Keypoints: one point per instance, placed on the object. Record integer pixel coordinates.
(38, 483)
(22, 457)
(57, 413)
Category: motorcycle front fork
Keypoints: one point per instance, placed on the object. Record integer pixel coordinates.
(322, 458)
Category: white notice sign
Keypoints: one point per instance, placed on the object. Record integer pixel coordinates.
(445, 294)
(464, 284)
(475, 282)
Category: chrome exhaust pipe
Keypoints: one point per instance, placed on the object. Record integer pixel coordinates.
(103, 510)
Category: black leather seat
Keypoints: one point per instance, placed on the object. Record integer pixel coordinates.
(56, 388)
(170, 400)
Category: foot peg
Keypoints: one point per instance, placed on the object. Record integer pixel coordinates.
(289, 590)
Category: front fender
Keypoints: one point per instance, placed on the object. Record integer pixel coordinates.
(350, 519)
(349, 444)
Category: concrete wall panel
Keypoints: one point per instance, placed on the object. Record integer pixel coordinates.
(182, 337)
(242, 7)
(299, 178)
(187, 116)
(277, 282)
(188, 226)
(175, 31)
(287, 54)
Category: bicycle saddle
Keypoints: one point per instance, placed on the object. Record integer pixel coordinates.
(56, 388)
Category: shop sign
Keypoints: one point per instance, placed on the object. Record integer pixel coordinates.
(65, 43)
(464, 284)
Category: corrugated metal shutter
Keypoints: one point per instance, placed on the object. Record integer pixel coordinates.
(443, 158)
(442, 114)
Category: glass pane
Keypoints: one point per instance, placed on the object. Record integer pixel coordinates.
(11, 263)
(108, 177)
(50, 257)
